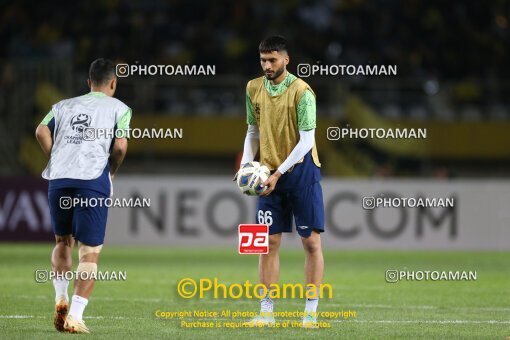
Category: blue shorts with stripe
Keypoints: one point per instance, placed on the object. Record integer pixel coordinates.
(87, 224)
(297, 194)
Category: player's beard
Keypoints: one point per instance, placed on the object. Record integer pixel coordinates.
(276, 74)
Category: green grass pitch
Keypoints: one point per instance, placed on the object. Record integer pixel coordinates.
(125, 309)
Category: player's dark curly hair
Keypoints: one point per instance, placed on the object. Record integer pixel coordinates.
(101, 71)
(273, 43)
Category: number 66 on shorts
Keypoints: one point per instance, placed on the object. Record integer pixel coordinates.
(305, 205)
(265, 217)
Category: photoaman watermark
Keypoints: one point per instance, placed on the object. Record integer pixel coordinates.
(188, 288)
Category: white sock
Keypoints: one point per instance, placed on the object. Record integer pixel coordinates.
(78, 306)
(61, 286)
(266, 303)
(311, 305)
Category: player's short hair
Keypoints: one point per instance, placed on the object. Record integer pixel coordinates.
(273, 43)
(101, 71)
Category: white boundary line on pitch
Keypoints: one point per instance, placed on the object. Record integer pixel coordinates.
(326, 304)
(433, 321)
(105, 298)
(344, 306)
(85, 317)
(440, 322)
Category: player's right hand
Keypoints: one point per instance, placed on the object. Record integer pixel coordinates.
(270, 183)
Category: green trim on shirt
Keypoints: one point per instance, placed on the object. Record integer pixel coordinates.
(96, 93)
(123, 123)
(306, 110)
(47, 119)
(277, 89)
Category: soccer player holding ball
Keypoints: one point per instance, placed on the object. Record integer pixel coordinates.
(81, 168)
(281, 117)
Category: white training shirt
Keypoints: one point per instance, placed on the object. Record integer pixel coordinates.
(72, 155)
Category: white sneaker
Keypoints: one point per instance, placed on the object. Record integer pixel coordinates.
(75, 326)
(310, 321)
(61, 309)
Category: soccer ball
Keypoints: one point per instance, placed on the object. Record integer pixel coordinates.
(250, 178)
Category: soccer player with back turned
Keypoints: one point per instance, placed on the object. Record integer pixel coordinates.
(81, 168)
(281, 117)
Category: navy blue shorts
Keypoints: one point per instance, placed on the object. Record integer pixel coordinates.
(86, 224)
(306, 204)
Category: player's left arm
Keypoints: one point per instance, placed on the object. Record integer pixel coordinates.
(43, 133)
(117, 155)
(120, 145)
(306, 112)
